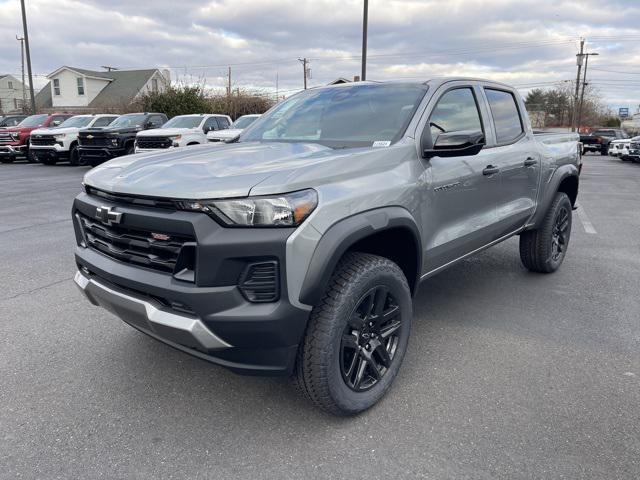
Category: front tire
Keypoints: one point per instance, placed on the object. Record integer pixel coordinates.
(543, 250)
(357, 336)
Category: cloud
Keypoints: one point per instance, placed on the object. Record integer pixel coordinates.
(526, 42)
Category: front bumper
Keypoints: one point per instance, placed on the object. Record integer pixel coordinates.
(231, 331)
(49, 152)
(149, 316)
(13, 150)
(95, 155)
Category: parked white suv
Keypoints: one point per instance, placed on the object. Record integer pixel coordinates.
(620, 148)
(181, 131)
(234, 130)
(51, 145)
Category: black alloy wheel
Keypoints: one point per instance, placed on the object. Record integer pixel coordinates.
(370, 339)
(559, 234)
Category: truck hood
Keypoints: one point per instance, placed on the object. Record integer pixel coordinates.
(54, 131)
(204, 172)
(121, 130)
(165, 132)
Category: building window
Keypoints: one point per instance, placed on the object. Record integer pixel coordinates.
(80, 82)
(10, 85)
(56, 86)
(154, 85)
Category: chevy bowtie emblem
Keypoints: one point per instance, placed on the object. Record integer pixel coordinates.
(107, 216)
(89, 136)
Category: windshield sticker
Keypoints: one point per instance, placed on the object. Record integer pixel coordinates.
(381, 143)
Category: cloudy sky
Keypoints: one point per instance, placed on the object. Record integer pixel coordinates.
(527, 43)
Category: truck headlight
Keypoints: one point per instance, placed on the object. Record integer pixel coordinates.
(60, 136)
(15, 136)
(286, 210)
(175, 138)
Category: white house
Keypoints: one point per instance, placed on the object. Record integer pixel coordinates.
(11, 94)
(74, 88)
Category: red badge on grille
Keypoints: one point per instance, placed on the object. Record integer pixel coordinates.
(160, 236)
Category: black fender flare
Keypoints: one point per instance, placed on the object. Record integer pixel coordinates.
(342, 235)
(559, 175)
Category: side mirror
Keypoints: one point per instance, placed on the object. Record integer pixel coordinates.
(208, 129)
(456, 144)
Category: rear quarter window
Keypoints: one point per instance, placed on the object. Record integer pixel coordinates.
(506, 116)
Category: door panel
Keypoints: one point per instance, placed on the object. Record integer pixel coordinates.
(518, 161)
(461, 214)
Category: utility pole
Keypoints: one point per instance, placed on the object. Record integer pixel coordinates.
(24, 92)
(229, 82)
(584, 86)
(26, 42)
(365, 23)
(575, 96)
(277, 85)
(304, 61)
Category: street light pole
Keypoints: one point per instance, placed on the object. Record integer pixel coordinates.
(584, 86)
(24, 92)
(365, 23)
(26, 44)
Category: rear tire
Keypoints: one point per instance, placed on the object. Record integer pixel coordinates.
(543, 250)
(356, 337)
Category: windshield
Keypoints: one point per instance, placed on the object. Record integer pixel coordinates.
(134, 120)
(243, 122)
(352, 116)
(76, 122)
(186, 121)
(33, 120)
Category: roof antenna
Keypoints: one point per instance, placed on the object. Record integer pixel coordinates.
(108, 68)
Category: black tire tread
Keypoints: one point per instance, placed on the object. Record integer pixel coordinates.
(310, 377)
(534, 247)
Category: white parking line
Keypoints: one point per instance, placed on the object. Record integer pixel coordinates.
(586, 223)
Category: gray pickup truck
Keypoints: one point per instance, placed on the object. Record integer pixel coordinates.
(296, 249)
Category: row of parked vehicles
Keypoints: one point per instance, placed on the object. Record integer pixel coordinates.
(94, 139)
(612, 141)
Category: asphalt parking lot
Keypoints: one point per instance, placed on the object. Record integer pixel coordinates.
(509, 374)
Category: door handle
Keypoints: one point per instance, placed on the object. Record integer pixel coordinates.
(490, 170)
(530, 162)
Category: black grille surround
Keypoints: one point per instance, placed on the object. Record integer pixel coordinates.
(139, 247)
(42, 140)
(154, 142)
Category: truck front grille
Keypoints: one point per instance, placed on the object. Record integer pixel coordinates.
(94, 141)
(154, 142)
(42, 140)
(140, 247)
(5, 138)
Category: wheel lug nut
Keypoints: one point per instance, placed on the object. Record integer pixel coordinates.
(371, 324)
(368, 347)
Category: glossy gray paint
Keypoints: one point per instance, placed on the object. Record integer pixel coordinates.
(456, 209)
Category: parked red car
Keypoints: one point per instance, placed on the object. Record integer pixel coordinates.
(14, 141)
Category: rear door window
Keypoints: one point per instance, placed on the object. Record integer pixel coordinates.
(506, 116)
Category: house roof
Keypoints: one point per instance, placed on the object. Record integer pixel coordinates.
(122, 88)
